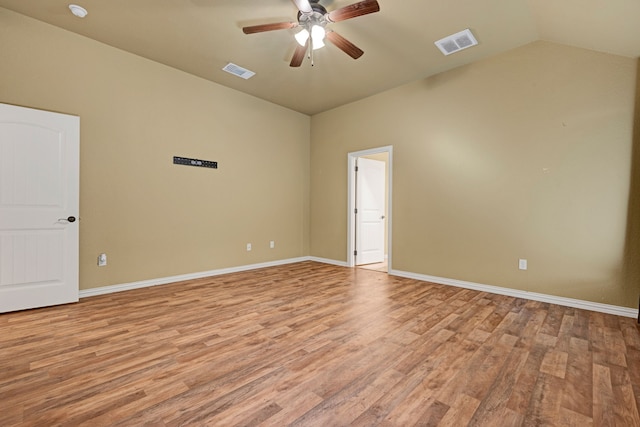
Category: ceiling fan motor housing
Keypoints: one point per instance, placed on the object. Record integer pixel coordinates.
(317, 17)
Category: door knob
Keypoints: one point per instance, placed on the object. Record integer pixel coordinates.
(70, 219)
(382, 217)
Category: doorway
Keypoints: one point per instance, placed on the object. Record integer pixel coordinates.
(369, 214)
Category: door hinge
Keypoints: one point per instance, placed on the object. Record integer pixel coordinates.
(355, 211)
(355, 253)
(356, 168)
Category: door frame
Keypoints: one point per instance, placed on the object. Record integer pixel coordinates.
(351, 201)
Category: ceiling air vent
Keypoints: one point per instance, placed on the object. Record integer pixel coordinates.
(237, 70)
(456, 42)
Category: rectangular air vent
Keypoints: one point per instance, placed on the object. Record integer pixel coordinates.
(456, 42)
(237, 70)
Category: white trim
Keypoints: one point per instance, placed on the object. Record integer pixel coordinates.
(165, 280)
(351, 189)
(568, 302)
(328, 261)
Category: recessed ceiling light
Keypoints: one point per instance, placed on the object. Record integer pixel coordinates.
(78, 11)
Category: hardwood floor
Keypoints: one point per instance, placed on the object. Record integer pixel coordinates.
(310, 344)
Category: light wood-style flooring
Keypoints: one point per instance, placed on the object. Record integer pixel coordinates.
(310, 344)
(378, 266)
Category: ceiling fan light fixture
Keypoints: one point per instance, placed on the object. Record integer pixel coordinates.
(317, 35)
(301, 37)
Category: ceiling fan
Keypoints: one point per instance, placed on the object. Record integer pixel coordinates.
(313, 18)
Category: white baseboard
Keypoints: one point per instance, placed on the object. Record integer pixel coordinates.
(567, 302)
(165, 280)
(328, 261)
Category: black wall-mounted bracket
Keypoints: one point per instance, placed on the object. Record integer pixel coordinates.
(194, 162)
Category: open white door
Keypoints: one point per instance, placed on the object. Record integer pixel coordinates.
(39, 187)
(370, 220)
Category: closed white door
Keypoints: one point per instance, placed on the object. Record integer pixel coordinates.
(370, 220)
(39, 185)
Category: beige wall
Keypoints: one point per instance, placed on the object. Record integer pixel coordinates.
(524, 155)
(152, 218)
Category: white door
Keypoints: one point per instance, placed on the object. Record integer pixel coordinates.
(39, 164)
(370, 221)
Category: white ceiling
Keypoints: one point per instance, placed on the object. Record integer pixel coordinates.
(202, 36)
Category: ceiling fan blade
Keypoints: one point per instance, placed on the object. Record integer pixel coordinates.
(345, 45)
(357, 9)
(269, 27)
(303, 6)
(298, 55)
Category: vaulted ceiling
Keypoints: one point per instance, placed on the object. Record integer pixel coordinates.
(202, 36)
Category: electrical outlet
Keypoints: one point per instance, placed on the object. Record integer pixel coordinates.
(102, 260)
(248, 247)
(272, 244)
(522, 264)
